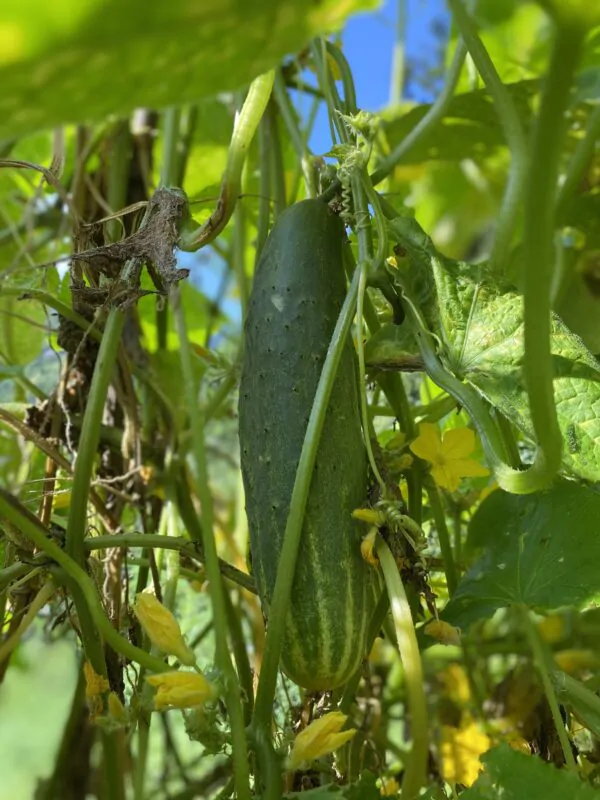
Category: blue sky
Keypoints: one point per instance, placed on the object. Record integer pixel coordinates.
(368, 44)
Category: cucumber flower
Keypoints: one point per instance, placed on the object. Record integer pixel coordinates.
(448, 456)
(162, 628)
(322, 736)
(181, 689)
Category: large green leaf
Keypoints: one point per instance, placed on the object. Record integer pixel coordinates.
(479, 322)
(514, 776)
(471, 127)
(541, 550)
(65, 62)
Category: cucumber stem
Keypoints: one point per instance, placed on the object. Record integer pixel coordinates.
(416, 764)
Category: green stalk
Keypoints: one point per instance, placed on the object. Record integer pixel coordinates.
(513, 132)
(277, 165)
(429, 121)
(544, 670)
(539, 261)
(184, 546)
(264, 187)
(118, 175)
(90, 435)
(232, 687)
(243, 132)
(238, 256)
(298, 141)
(415, 774)
(285, 574)
(30, 526)
(435, 503)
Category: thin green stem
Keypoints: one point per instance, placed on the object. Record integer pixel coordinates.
(30, 526)
(263, 708)
(118, 175)
(264, 187)
(544, 670)
(238, 256)
(439, 517)
(416, 764)
(183, 546)
(244, 129)
(277, 165)
(539, 261)
(90, 435)
(299, 143)
(429, 121)
(217, 590)
(170, 149)
(513, 132)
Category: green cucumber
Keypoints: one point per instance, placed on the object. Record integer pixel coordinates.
(298, 291)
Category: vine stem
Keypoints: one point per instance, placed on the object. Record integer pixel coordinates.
(540, 220)
(90, 434)
(435, 503)
(545, 674)
(265, 694)
(513, 132)
(30, 526)
(216, 588)
(416, 762)
(245, 126)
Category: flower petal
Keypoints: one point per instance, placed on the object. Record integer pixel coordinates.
(445, 477)
(181, 689)
(458, 443)
(162, 628)
(322, 736)
(468, 468)
(428, 444)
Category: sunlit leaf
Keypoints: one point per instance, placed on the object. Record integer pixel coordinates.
(515, 776)
(61, 62)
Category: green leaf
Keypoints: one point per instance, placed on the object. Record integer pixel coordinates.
(471, 127)
(63, 62)
(478, 319)
(540, 549)
(514, 776)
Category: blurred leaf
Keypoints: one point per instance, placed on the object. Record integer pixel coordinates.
(64, 62)
(35, 700)
(364, 789)
(515, 776)
(470, 129)
(540, 549)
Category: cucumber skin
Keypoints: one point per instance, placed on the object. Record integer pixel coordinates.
(298, 291)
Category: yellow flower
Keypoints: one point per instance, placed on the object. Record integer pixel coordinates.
(460, 750)
(367, 548)
(181, 689)
(389, 787)
(322, 736)
(448, 456)
(162, 628)
(371, 515)
(456, 684)
(553, 628)
(94, 684)
(443, 632)
(573, 661)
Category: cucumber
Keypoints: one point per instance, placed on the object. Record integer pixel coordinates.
(298, 291)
